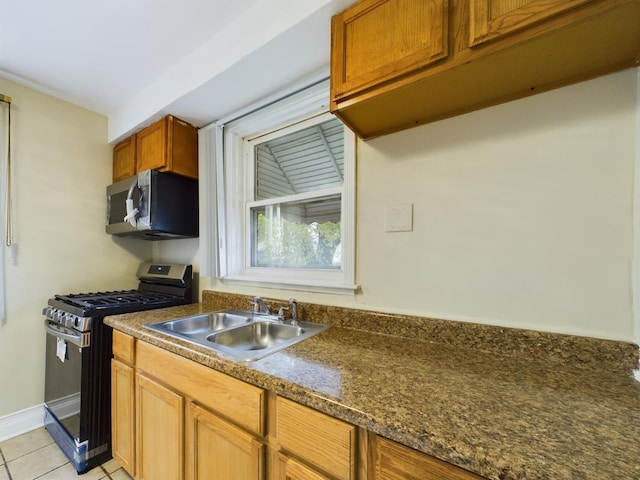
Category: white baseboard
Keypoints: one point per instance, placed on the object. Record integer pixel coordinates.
(21, 422)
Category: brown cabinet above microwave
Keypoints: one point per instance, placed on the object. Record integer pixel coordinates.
(396, 64)
(168, 145)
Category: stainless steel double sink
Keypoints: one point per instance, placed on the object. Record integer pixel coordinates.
(239, 333)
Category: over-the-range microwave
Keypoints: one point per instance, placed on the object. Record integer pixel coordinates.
(153, 205)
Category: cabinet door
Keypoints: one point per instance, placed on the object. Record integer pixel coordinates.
(217, 449)
(291, 469)
(124, 159)
(391, 461)
(376, 41)
(122, 414)
(491, 19)
(151, 147)
(159, 431)
(182, 148)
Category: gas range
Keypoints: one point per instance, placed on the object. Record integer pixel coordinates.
(78, 357)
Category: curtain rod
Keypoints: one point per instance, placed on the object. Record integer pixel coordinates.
(5, 98)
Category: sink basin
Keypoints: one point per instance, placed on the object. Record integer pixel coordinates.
(205, 323)
(256, 336)
(238, 333)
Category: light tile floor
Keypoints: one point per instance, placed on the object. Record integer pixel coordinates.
(34, 455)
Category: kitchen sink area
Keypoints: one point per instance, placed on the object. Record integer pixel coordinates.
(508, 401)
(242, 334)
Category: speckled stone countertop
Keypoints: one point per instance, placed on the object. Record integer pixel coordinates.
(503, 403)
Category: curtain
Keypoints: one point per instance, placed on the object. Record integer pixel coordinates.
(4, 153)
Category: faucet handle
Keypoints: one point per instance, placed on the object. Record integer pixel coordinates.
(281, 313)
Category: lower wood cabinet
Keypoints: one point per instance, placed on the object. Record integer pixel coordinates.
(176, 419)
(217, 449)
(122, 413)
(159, 431)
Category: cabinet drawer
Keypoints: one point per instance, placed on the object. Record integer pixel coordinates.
(318, 439)
(389, 460)
(124, 347)
(234, 399)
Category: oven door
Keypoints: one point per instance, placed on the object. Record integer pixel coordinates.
(66, 350)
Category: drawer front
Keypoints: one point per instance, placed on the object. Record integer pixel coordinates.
(124, 347)
(318, 439)
(389, 460)
(234, 399)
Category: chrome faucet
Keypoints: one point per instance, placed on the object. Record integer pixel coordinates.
(260, 307)
(293, 306)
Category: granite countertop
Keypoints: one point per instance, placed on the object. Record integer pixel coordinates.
(502, 416)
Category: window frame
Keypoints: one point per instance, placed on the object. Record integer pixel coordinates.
(234, 185)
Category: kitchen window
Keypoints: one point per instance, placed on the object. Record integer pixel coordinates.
(285, 196)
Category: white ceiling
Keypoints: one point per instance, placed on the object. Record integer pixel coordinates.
(136, 60)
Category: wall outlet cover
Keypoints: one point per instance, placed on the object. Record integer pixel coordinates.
(399, 218)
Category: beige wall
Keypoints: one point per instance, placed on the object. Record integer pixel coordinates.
(62, 164)
(523, 215)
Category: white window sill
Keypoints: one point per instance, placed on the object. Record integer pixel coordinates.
(298, 285)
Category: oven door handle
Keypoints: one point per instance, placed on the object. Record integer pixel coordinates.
(79, 339)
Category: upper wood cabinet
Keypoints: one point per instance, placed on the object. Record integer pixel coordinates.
(169, 145)
(124, 159)
(492, 19)
(396, 64)
(415, 35)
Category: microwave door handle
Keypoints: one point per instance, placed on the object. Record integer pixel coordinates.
(131, 210)
(76, 339)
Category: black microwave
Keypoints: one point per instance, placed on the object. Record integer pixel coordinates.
(153, 205)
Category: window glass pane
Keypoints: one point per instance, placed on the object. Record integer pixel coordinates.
(304, 234)
(303, 161)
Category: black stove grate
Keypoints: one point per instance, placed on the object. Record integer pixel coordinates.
(114, 299)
